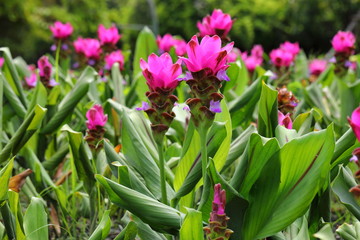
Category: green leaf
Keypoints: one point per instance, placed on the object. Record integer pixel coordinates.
(327, 76)
(69, 102)
(118, 80)
(300, 168)
(13, 99)
(103, 229)
(268, 111)
(145, 232)
(129, 232)
(145, 45)
(341, 186)
(192, 227)
(81, 158)
(158, 215)
(5, 175)
(16, 211)
(348, 232)
(325, 233)
(24, 133)
(35, 221)
(239, 77)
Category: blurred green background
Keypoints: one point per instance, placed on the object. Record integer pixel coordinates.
(25, 24)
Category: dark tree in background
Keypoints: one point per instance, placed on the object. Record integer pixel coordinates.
(24, 24)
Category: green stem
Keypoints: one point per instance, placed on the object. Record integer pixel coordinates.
(204, 161)
(57, 56)
(162, 173)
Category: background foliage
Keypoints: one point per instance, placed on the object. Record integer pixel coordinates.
(25, 24)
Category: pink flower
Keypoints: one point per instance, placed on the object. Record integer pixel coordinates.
(31, 80)
(208, 55)
(293, 48)
(89, 47)
(216, 24)
(61, 30)
(166, 42)
(95, 117)
(344, 42)
(160, 72)
(233, 55)
(317, 66)
(108, 36)
(281, 58)
(114, 57)
(45, 67)
(257, 51)
(218, 205)
(2, 60)
(355, 122)
(252, 62)
(284, 120)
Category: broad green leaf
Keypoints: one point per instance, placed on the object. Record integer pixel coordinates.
(239, 77)
(81, 158)
(341, 185)
(300, 168)
(35, 221)
(348, 232)
(103, 229)
(69, 102)
(8, 220)
(2, 231)
(325, 233)
(15, 207)
(39, 96)
(304, 122)
(13, 99)
(268, 111)
(192, 228)
(24, 133)
(145, 232)
(158, 215)
(5, 175)
(284, 135)
(327, 76)
(145, 45)
(129, 232)
(118, 80)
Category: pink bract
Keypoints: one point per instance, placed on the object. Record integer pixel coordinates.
(31, 80)
(95, 117)
(208, 55)
(89, 47)
(218, 205)
(45, 67)
(160, 72)
(166, 42)
(257, 51)
(252, 62)
(233, 55)
(2, 60)
(284, 120)
(108, 36)
(61, 30)
(317, 66)
(344, 42)
(292, 48)
(355, 122)
(114, 57)
(217, 23)
(281, 58)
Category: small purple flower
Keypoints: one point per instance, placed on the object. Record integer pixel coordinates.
(91, 62)
(76, 65)
(354, 159)
(144, 106)
(64, 47)
(186, 108)
(53, 83)
(332, 60)
(53, 48)
(221, 75)
(215, 106)
(188, 76)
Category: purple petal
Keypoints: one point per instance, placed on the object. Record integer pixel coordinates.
(354, 159)
(221, 75)
(91, 62)
(65, 47)
(144, 106)
(53, 48)
(188, 76)
(215, 106)
(186, 108)
(53, 83)
(332, 60)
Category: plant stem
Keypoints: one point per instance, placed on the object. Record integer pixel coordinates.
(204, 161)
(162, 173)
(57, 56)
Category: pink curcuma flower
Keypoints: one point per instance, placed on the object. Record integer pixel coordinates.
(45, 67)
(114, 57)
(208, 55)
(89, 47)
(344, 42)
(61, 30)
(95, 117)
(166, 42)
(108, 36)
(216, 24)
(160, 72)
(252, 62)
(2, 60)
(31, 80)
(317, 66)
(233, 55)
(281, 58)
(354, 122)
(284, 120)
(292, 48)
(218, 206)
(257, 51)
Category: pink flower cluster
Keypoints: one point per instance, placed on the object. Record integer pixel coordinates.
(108, 36)
(167, 42)
(317, 66)
(254, 59)
(344, 42)
(114, 57)
(217, 24)
(160, 72)
(354, 122)
(285, 55)
(89, 47)
(2, 60)
(45, 67)
(285, 120)
(61, 30)
(31, 80)
(95, 117)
